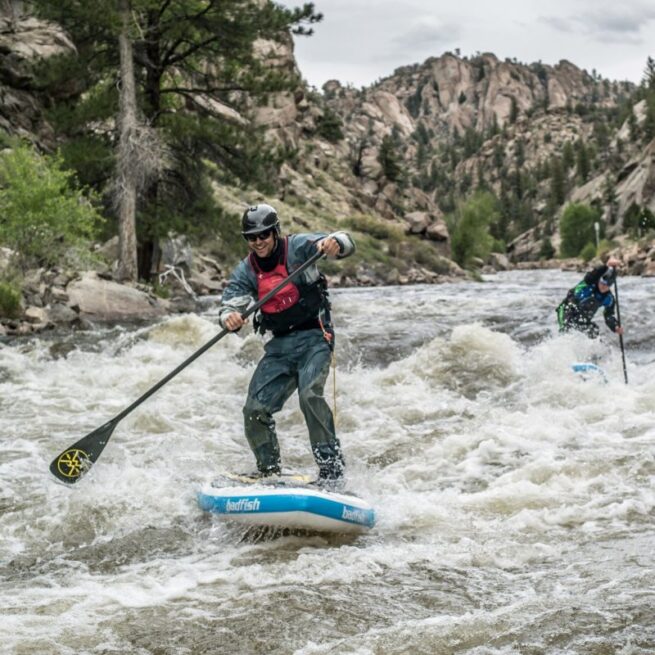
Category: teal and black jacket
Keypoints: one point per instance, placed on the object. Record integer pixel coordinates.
(583, 301)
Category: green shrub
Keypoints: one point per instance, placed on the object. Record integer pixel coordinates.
(638, 220)
(43, 216)
(604, 247)
(588, 252)
(469, 228)
(330, 126)
(427, 256)
(577, 228)
(376, 228)
(10, 297)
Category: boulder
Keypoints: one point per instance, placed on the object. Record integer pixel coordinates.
(417, 222)
(35, 315)
(105, 300)
(203, 284)
(438, 231)
(61, 313)
(649, 269)
(499, 262)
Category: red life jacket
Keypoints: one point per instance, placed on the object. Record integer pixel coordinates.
(287, 296)
(292, 306)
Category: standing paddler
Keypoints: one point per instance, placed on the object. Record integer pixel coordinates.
(298, 354)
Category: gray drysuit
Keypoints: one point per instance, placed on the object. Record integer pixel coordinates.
(297, 360)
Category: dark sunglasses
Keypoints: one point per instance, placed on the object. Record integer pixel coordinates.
(262, 235)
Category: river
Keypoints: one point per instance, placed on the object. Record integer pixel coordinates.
(515, 500)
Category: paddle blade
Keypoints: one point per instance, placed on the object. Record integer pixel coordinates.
(74, 463)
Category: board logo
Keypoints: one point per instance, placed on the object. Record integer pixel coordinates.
(355, 515)
(71, 462)
(242, 505)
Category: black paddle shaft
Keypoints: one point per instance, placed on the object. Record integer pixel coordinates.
(74, 462)
(618, 320)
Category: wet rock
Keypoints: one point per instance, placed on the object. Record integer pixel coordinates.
(35, 315)
(499, 261)
(182, 305)
(61, 349)
(110, 301)
(61, 313)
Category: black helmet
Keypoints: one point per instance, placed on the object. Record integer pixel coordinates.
(259, 219)
(608, 277)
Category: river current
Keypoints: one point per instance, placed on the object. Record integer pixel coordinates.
(515, 499)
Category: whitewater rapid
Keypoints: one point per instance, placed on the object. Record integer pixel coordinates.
(515, 500)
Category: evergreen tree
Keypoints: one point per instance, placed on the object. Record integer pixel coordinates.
(610, 199)
(557, 182)
(390, 159)
(482, 182)
(648, 80)
(513, 110)
(498, 155)
(632, 125)
(330, 126)
(601, 135)
(568, 156)
(197, 71)
(648, 127)
(583, 165)
(638, 220)
(519, 152)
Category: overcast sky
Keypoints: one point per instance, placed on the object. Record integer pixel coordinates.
(360, 41)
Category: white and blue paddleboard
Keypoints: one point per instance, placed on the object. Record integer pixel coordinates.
(285, 501)
(589, 371)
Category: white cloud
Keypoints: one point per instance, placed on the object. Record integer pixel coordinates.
(360, 41)
(627, 24)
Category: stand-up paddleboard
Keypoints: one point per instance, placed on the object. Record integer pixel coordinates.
(285, 501)
(589, 371)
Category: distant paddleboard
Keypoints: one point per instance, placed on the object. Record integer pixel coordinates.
(589, 371)
(286, 501)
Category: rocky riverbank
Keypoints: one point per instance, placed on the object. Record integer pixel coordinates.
(80, 300)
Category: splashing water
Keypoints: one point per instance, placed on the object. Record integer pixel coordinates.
(515, 500)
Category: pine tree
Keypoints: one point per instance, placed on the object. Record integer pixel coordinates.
(568, 156)
(199, 68)
(583, 165)
(610, 199)
(648, 127)
(648, 80)
(513, 111)
(390, 160)
(633, 126)
(557, 182)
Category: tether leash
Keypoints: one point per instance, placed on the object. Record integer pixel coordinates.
(329, 337)
(334, 386)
